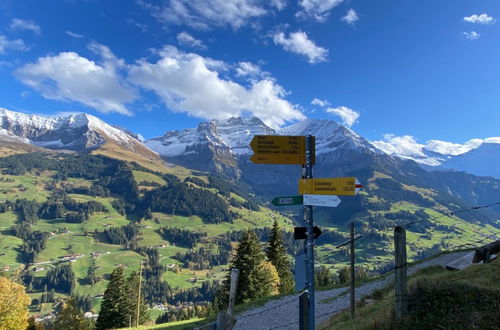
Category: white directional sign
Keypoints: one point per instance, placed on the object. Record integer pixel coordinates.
(322, 200)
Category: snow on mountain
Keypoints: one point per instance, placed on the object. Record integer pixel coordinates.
(73, 132)
(482, 161)
(477, 156)
(5, 135)
(329, 135)
(233, 134)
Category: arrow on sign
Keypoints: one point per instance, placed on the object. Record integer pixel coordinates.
(332, 186)
(289, 200)
(301, 232)
(322, 200)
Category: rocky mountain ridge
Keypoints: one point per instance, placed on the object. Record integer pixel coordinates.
(77, 132)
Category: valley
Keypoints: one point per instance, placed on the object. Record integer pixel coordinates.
(109, 205)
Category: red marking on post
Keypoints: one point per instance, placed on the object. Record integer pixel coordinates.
(359, 186)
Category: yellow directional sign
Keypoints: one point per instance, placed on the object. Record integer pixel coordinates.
(331, 186)
(277, 149)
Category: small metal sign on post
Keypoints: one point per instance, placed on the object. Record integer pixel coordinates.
(287, 201)
(329, 186)
(279, 149)
(300, 272)
(322, 200)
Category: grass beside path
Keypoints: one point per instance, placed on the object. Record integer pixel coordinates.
(438, 299)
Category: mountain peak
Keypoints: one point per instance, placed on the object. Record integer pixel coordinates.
(74, 131)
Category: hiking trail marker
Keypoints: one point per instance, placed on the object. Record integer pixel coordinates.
(287, 201)
(322, 200)
(332, 186)
(279, 149)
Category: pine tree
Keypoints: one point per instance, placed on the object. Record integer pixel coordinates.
(276, 254)
(255, 281)
(71, 318)
(132, 291)
(115, 305)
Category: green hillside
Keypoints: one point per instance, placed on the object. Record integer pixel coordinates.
(40, 181)
(102, 212)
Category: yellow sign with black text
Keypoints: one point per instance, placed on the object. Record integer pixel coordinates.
(277, 149)
(330, 186)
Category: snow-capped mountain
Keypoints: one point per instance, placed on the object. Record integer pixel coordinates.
(236, 134)
(212, 146)
(78, 132)
(482, 161)
(329, 135)
(223, 145)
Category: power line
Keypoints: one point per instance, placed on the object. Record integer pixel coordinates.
(269, 309)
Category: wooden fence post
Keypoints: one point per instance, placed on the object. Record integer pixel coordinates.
(401, 306)
(233, 288)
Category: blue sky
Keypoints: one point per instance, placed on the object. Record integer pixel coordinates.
(398, 71)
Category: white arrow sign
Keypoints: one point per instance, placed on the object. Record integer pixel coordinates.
(322, 200)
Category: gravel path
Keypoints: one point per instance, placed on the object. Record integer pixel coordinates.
(283, 313)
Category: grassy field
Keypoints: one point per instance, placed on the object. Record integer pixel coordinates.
(80, 238)
(453, 300)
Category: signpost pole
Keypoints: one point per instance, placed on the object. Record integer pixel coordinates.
(309, 222)
(353, 274)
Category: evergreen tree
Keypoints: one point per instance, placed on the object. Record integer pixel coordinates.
(276, 254)
(115, 305)
(71, 318)
(132, 291)
(255, 281)
(344, 275)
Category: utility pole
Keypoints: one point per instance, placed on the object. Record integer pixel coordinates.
(139, 296)
(309, 244)
(353, 275)
(401, 307)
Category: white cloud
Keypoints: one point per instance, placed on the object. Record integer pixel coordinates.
(321, 103)
(299, 43)
(317, 9)
(348, 116)
(450, 148)
(472, 35)
(400, 145)
(6, 44)
(494, 139)
(250, 70)
(70, 77)
(190, 83)
(406, 145)
(185, 39)
(207, 14)
(278, 4)
(480, 19)
(21, 24)
(351, 17)
(74, 34)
